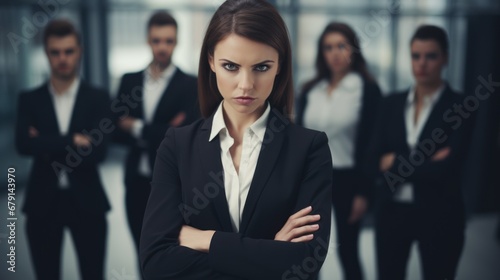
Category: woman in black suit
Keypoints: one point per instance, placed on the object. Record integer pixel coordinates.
(342, 101)
(243, 193)
(421, 140)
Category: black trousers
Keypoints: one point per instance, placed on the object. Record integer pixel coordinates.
(398, 225)
(344, 188)
(45, 236)
(136, 199)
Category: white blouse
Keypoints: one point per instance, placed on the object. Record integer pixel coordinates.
(64, 104)
(338, 115)
(237, 184)
(413, 130)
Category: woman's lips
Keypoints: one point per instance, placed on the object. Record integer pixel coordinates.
(244, 100)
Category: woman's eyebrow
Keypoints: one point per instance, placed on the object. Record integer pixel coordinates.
(232, 62)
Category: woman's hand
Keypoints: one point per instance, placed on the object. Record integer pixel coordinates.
(299, 227)
(387, 161)
(196, 239)
(359, 206)
(441, 154)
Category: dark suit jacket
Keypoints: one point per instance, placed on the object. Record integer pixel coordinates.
(369, 105)
(53, 151)
(179, 96)
(293, 172)
(437, 192)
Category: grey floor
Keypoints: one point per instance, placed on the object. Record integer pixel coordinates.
(480, 259)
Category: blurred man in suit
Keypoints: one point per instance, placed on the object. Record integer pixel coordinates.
(158, 97)
(63, 125)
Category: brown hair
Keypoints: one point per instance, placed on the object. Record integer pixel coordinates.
(161, 18)
(258, 21)
(60, 28)
(432, 32)
(358, 62)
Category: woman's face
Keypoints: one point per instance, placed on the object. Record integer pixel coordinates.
(337, 52)
(427, 60)
(245, 71)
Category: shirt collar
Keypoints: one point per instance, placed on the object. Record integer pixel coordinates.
(429, 99)
(165, 74)
(258, 127)
(218, 123)
(72, 90)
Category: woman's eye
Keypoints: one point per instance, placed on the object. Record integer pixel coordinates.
(230, 67)
(432, 56)
(262, 68)
(342, 46)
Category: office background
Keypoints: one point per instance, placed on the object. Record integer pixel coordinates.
(114, 40)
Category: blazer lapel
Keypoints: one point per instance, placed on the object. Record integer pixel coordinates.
(400, 120)
(78, 111)
(137, 88)
(268, 157)
(436, 119)
(48, 104)
(168, 94)
(212, 164)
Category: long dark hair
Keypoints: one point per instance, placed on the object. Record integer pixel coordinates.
(258, 21)
(358, 62)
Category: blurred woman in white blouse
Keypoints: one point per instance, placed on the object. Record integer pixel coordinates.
(342, 101)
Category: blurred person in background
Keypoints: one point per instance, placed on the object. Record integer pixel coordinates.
(417, 153)
(342, 100)
(64, 125)
(158, 97)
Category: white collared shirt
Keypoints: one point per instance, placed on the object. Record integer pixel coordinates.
(237, 185)
(338, 115)
(151, 95)
(63, 106)
(413, 131)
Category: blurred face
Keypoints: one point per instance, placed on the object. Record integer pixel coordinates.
(162, 40)
(428, 61)
(64, 56)
(245, 71)
(337, 52)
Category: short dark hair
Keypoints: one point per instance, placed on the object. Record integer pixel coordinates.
(256, 20)
(432, 32)
(60, 28)
(161, 18)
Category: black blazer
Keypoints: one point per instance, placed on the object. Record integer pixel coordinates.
(179, 96)
(437, 192)
(293, 172)
(52, 151)
(369, 105)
